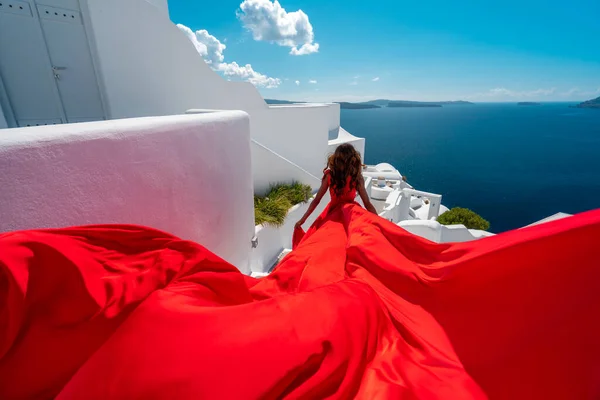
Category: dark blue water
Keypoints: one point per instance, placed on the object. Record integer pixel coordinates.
(511, 164)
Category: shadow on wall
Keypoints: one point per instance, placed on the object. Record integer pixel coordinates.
(3, 123)
(333, 133)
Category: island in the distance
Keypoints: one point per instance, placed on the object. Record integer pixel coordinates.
(356, 106)
(528, 103)
(594, 103)
(411, 104)
(344, 105)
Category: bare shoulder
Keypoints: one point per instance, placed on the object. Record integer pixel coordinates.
(326, 178)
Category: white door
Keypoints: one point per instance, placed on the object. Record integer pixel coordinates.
(71, 60)
(25, 68)
(46, 64)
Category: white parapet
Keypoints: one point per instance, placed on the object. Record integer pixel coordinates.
(407, 203)
(553, 217)
(288, 144)
(269, 168)
(383, 171)
(344, 136)
(438, 233)
(435, 201)
(189, 175)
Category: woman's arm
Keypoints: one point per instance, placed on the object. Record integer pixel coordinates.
(364, 196)
(315, 202)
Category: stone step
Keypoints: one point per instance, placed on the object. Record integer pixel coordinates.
(257, 274)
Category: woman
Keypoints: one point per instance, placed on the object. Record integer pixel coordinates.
(343, 178)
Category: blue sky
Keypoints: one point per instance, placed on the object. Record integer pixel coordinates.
(414, 50)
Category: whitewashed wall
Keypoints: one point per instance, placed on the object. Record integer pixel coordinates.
(163, 74)
(334, 116)
(334, 120)
(162, 5)
(149, 67)
(298, 134)
(344, 136)
(170, 173)
(270, 168)
(436, 232)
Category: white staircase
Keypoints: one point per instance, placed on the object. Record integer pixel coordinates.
(257, 274)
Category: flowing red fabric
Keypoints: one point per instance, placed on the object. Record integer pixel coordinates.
(297, 237)
(360, 309)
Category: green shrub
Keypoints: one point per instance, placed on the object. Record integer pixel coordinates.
(272, 208)
(296, 192)
(465, 217)
(271, 211)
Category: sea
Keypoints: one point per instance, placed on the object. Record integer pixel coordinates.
(511, 164)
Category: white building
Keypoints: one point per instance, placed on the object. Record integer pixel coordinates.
(81, 60)
(66, 62)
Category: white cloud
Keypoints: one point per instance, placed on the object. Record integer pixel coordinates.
(268, 21)
(353, 83)
(375, 79)
(527, 93)
(581, 93)
(207, 45)
(297, 83)
(572, 91)
(501, 92)
(312, 81)
(357, 76)
(246, 72)
(211, 49)
(307, 48)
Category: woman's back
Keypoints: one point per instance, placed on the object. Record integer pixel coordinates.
(343, 178)
(347, 194)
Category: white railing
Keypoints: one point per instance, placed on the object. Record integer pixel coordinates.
(398, 205)
(392, 210)
(438, 233)
(435, 200)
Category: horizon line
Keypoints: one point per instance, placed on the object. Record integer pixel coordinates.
(429, 101)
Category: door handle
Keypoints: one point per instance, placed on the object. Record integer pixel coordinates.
(55, 71)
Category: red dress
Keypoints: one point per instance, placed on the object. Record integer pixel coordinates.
(360, 310)
(348, 195)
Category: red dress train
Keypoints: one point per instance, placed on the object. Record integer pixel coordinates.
(360, 309)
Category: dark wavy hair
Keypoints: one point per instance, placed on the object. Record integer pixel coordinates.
(343, 163)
